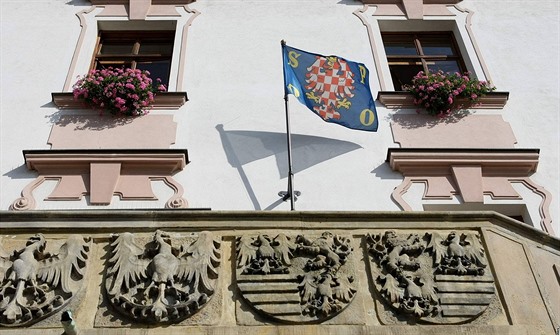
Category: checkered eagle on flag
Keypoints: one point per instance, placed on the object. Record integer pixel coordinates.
(334, 88)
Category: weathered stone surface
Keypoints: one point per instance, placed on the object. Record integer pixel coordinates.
(37, 284)
(296, 279)
(432, 278)
(160, 283)
(518, 258)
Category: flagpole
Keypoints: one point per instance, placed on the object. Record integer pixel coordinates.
(290, 193)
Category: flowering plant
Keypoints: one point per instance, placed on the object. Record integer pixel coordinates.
(438, 92)
(120, 91)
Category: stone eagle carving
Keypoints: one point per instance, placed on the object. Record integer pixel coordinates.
(160, 283)
(36, 284)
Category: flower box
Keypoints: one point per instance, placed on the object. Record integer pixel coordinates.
(162, 100)
(403, 99)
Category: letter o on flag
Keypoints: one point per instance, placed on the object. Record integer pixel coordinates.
(294, 90)
(367, 117)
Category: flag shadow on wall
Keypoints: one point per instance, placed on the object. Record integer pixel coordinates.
(243, 146)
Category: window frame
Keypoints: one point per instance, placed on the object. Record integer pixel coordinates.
(421, 58)
(138, 38)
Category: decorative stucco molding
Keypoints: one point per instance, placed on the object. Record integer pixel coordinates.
(413, 9)
(102, 174)
(470, 173)
(36, 284)
(139, 9)
(87, 131)
(462, 131)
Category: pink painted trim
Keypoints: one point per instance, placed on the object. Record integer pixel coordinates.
(397, 2)
(183, 54)
(138, 9)
(123, 173)
(414, 9)
(468, 26)
(176, 200)
(27, 201)
(399, 191)
(376, 58)
(544, 207)
(69, 80)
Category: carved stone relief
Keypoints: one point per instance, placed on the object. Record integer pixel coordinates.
(296, 279)
(159, 282)
(435, 278)
(37, 284)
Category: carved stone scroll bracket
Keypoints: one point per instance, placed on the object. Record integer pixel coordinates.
(36, 284)
(101, 174)
(435, 278)
(296, 279)
(469, 173)
(164, 279)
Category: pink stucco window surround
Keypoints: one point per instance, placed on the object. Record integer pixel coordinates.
(469, 173)
(101, 174)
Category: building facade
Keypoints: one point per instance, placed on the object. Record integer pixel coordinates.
(178, 220)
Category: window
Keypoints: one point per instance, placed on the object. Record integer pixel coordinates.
(144, 50)
(411, 52)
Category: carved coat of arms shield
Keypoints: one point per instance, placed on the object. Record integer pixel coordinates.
(433, 278)
(36, 284)
(295, 279)
(159, 282)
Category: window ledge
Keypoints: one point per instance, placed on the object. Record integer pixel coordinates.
(102, 174)
(163, 100)
(402, 99)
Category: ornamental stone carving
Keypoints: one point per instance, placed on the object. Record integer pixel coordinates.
(159, 282)
(37, 284)
(435, 278)
(296, 279)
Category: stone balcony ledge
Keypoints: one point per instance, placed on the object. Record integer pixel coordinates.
(162, 100)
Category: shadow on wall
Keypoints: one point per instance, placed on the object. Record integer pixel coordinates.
(242, 147)
(423, 120)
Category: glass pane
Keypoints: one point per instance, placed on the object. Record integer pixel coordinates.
(156, 48)
(400, 48)
(402, 74)
(158, 69)
(450, 66)
(437, 45)
(116, 47)
(114, 64)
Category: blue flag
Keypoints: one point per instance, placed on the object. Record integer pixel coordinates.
(332, 87)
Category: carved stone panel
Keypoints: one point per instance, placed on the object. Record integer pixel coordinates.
(163, 280)
(296, 279)
(437, 278)
(37, 284)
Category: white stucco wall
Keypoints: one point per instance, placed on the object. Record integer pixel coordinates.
(234, 78)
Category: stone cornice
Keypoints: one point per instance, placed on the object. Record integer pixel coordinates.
(154, 2)
(510, 162)
(397, 2)
(110, 221)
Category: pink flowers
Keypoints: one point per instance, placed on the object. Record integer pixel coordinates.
(120, 91)
(438, 92)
